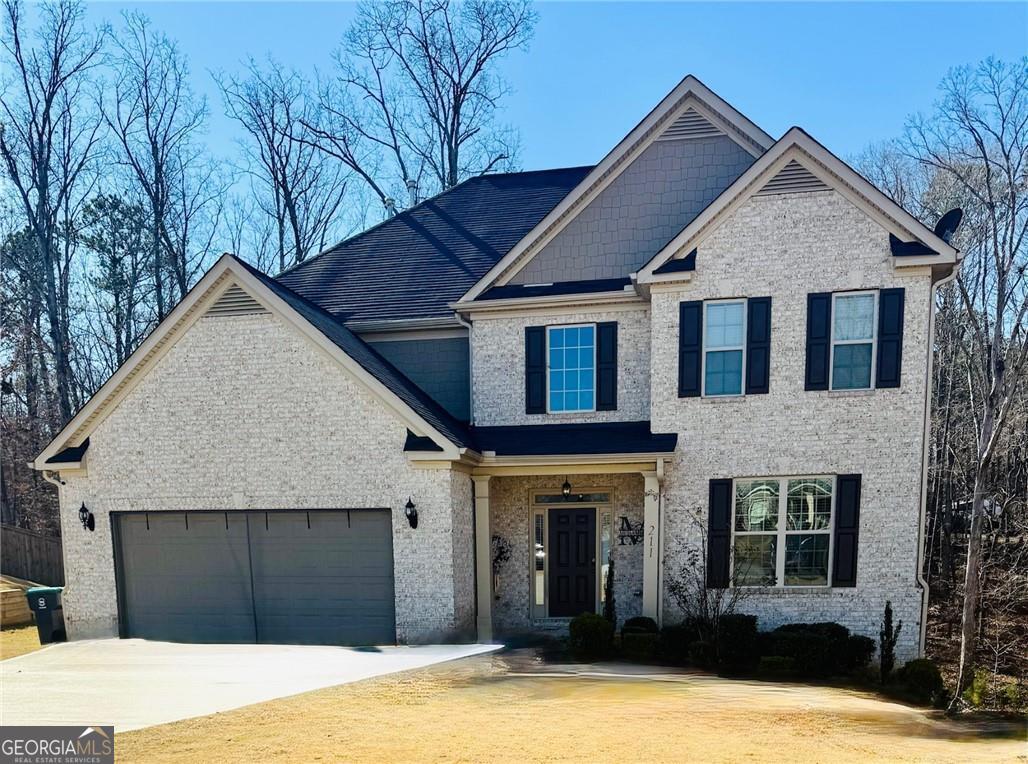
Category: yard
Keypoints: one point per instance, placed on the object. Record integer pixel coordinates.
(511, 707)
(18, 640)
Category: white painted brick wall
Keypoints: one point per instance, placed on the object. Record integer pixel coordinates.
(498, 365)
(244, 412)
(787, 246)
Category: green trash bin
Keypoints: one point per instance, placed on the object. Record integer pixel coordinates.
(45, 603)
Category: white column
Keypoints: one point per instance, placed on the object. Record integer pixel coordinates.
(651, 545)
(483, 559)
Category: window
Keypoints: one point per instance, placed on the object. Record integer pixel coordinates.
(782, 531)
(853, 340)
(724, 337)
(571, 368)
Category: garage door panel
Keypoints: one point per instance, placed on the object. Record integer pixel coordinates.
(324, 577)
(186, 578)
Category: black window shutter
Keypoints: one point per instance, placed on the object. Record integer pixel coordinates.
(535, 369)
(819, 338)
(758, 345)
(607, 366)
(690, 345)
(847, 530)
(719, 534)
(890, 337)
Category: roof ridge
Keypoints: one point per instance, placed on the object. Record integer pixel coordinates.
(411, 210)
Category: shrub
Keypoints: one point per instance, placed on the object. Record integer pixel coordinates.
(809, 650)
(858, 652)
(640, 625)
(591, 636)
(673, 646)
(737, 647)
(921, 681)
(776, 667)
(887, 638)
(702, 654)
(975, 692)
(639, 646)
(1011, 694)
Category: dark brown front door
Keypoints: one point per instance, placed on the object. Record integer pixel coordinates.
(572, 562)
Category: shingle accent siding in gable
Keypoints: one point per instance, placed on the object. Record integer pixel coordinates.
(794, 178)
(439, 367)
(650, 202)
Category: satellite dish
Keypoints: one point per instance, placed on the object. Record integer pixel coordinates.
(948, 224)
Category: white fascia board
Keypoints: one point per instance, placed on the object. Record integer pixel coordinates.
(797, 144)
(690, 91)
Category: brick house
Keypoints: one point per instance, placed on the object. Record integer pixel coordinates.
(711, 340)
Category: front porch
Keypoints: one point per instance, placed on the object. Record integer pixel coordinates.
(543, 555)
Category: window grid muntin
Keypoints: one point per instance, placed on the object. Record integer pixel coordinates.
(741, 348)
(873, 293)
(578, 369)
(783, 532)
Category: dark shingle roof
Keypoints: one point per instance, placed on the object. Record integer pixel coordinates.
(557, 288)
(71, 454)
(371, 361)
(412, 265)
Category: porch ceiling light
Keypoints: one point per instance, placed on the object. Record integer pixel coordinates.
(86, 518)
(411, 512)
(566, 488)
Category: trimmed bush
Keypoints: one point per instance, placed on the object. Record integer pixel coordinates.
(810, 651)
(858, 653)
(702, 654)
(673, 645)
(921, 681)
(591, 636)
(737, 646)
(639, 646)
(776, 667)
(640, 625)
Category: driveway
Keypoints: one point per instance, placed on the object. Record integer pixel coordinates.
(134, 683)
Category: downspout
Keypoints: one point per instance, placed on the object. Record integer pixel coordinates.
(923, 516)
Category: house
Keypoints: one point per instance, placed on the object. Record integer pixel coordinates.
(711, 341)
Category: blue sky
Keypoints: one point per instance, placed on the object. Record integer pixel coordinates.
(847, 73)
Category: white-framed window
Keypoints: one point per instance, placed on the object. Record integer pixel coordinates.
(854, 340)
(571, 368)
(724, 347)
(782, 531)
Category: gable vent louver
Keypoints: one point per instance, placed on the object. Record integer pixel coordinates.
(794, 178)
(235, 302)
(690, 125)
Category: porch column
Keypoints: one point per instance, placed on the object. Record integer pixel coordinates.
(483, 559)
(651, 544)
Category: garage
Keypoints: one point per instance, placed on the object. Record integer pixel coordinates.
(319, 577)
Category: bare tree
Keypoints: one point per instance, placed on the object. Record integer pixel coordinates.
(298, 185)
(48, 141)
(977, 139)
(155, 118)
(417, 91)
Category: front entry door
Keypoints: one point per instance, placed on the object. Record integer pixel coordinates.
(572, 562)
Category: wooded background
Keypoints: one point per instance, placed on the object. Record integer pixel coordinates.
(112, 207)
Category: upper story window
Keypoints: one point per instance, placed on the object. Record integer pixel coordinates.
(854, 318)
(571, 368)
(724, 342)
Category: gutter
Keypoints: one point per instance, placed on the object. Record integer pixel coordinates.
(923, 514)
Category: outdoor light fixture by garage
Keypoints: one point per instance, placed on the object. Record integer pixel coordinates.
(86, 517)
(412, 512)
(566, 489)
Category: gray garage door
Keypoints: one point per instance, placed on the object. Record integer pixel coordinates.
(285, 577)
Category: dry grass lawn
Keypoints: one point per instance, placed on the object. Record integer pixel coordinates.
(18, 641)
(481, 709)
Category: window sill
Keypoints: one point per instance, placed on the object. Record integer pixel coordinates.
(723, 398)
(850, 393)
(790, 591)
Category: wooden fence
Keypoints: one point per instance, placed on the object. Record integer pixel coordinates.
(32, 556)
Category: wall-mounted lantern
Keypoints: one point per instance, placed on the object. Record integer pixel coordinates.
(411, 512)
(566, 489)
(86, 518)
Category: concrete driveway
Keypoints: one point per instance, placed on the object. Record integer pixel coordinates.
(134, 683)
